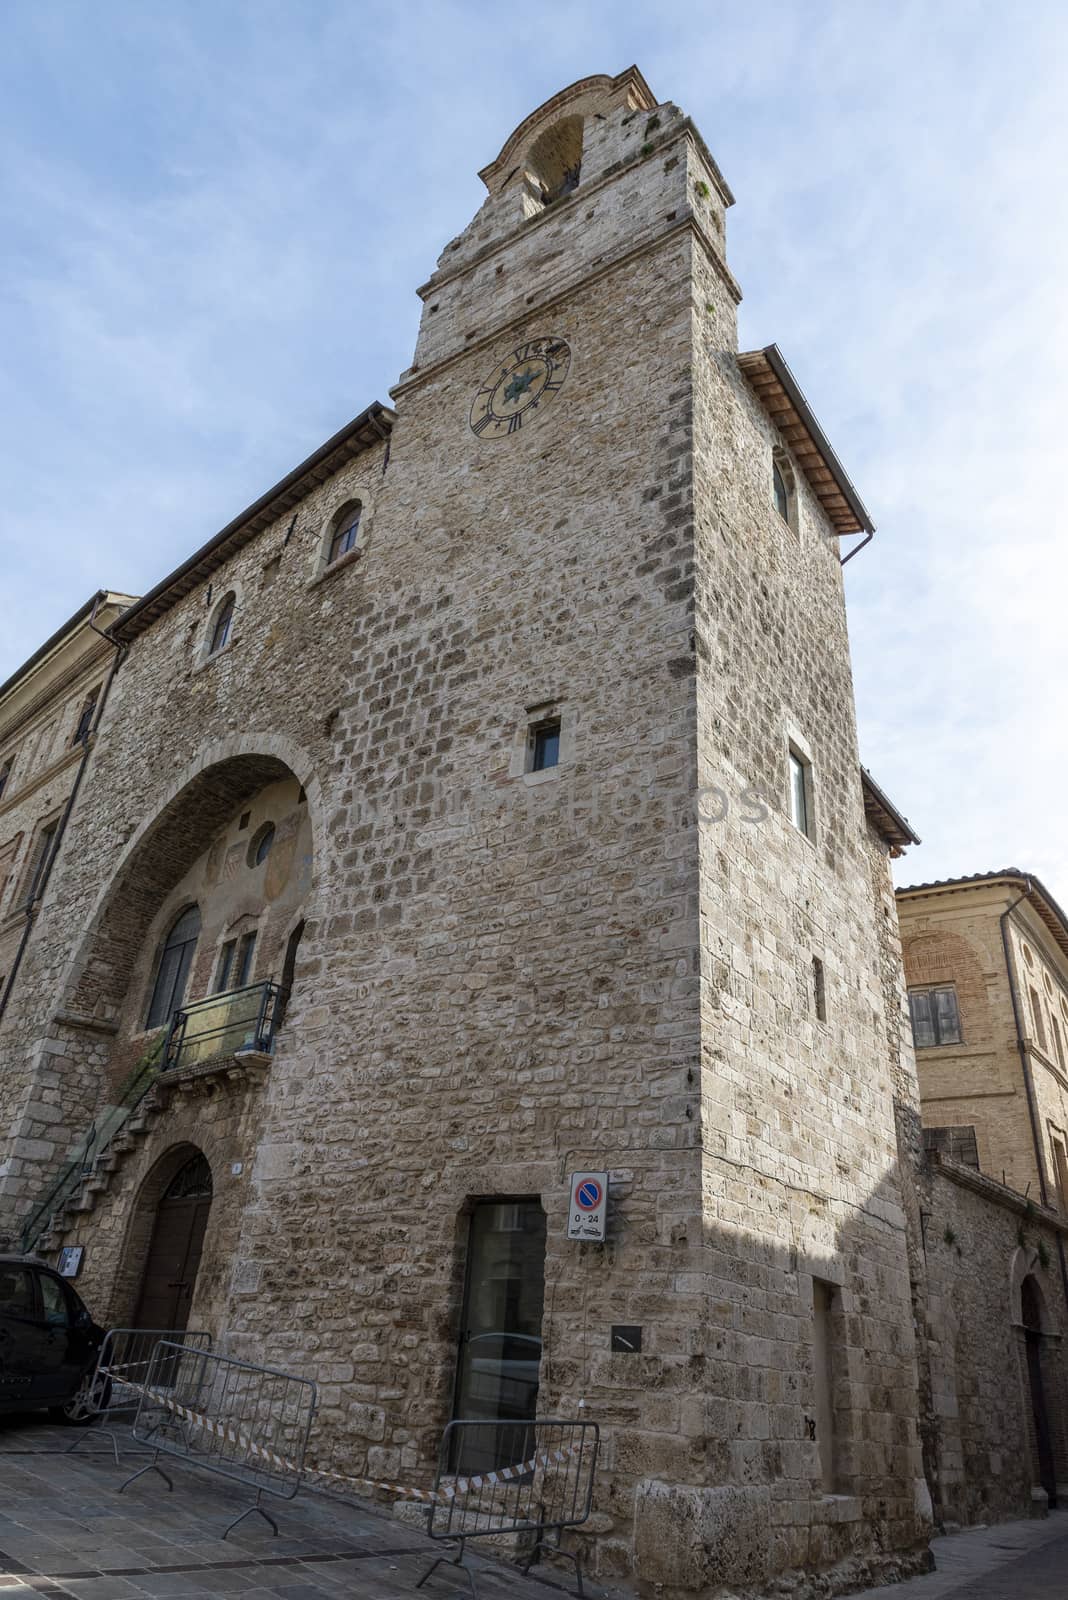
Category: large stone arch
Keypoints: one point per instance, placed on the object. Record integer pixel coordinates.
(162, 847)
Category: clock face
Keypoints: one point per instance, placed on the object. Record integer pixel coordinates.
(523, 384)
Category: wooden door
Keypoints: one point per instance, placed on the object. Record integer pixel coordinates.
(1047, 1476)
(174, 1253)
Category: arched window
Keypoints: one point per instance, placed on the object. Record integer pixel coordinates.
(260, 846)
(782, 496)
(344, 531)
(168, 991)
(554, 160)
(220, 633)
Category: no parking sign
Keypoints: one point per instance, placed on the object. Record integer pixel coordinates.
(588, 1207)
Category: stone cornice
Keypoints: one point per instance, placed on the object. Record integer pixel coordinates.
(687, 223)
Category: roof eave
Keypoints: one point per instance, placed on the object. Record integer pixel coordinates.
(1030, 888)
(857, 518)
(371, 427)
(884, 816)
(82, 615)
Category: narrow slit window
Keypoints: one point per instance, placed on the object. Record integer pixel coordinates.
(782, 498)
(825, 1359)
(245, 953)
(800, 794)
(226, 965)
(5, 773)
(819, 989)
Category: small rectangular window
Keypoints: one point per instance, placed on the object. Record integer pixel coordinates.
(245, 953)
(800, 794)
(1058, 1042)
(819, 989)
(546, 747)
(935, 1017)
(226, 965)
(1036, 1012)
(957, 1144)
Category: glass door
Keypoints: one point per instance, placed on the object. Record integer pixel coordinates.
(500, 1341)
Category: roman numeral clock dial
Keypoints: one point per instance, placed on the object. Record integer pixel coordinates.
(524, 383)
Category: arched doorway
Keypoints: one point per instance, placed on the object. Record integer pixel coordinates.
(174, 1253)
(1031, 1317)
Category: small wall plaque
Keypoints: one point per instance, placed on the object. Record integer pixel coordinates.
(626, 1339)
(70, 1260)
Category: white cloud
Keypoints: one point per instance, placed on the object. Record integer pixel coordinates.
(216, 218)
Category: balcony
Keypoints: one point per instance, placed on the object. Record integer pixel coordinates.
(224, 1025)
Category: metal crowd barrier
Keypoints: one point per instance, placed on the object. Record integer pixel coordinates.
(243, 1421)
(499, 1478)
(122, 1367)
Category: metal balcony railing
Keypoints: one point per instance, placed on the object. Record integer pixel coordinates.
(223, 1024)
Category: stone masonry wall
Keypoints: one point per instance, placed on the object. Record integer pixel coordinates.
(981, 1240)
(508, 976)
(797, 1114)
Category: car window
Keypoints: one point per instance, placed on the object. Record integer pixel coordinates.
(16, 1291)
(54, 1302)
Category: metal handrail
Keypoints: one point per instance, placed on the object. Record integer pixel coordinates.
(90, 1147)
(225, 1023)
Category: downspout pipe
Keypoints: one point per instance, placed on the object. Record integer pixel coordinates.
(1025, 1064)
(33, 904)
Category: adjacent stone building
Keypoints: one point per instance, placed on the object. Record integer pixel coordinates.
(483, 805)
(986, 964)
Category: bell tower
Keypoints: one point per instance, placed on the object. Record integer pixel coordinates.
(589, 179)
(626, 534)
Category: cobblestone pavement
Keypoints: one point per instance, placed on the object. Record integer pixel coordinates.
(66, 1533)
(1009, 1561)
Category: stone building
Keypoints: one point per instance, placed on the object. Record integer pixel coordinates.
(49, 711)
(986, 965)
(484, 803)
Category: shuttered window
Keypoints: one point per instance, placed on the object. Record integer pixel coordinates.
(935, 1016)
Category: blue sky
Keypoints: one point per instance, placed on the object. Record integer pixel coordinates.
(214, 216)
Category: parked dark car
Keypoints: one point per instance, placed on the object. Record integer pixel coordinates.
(48, 1343)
